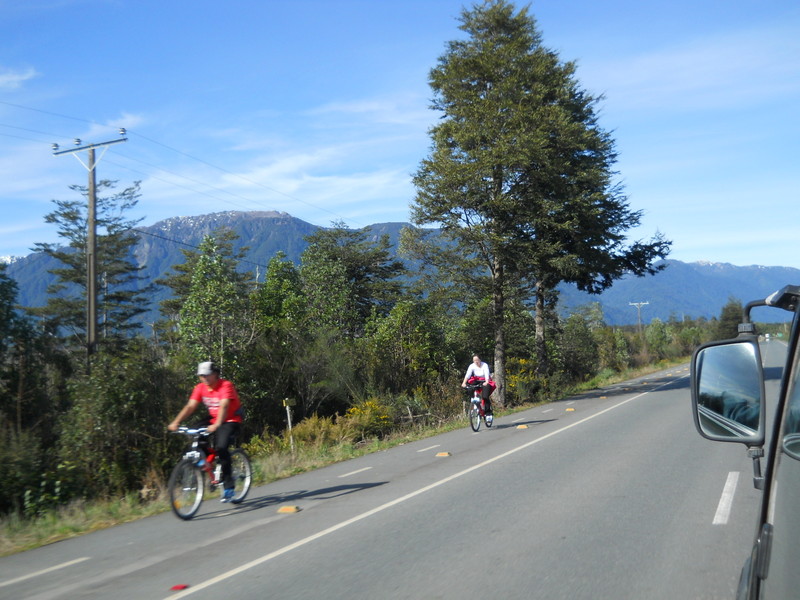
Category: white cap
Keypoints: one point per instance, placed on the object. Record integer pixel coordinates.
(206, 368)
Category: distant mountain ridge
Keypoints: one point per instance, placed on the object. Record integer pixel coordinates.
(681, 290)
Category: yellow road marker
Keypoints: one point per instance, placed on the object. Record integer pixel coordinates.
(289, 509)
(523, 426)
(443, 454)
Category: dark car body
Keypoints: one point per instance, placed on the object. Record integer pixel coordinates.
(729, 404)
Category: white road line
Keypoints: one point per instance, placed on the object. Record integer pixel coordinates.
(548, 410)
(354, 472)
(280, 551)
(429, 448)
(43, 571)
(726, 501)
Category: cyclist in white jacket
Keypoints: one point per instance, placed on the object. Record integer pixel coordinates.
(479, 371)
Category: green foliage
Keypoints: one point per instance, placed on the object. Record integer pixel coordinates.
(366, 419)
(318, 432)
(729, 319)
(688, 339)
(522, 381)
(21, 462)
(329, 295)
(179, 280)
(264, 445)
(280, 300)
(216, 322)
(115, 430)
(364, 277)
(406, 347)
(579, 349)
(658, 338)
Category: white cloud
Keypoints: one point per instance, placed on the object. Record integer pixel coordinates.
(408, 109)
(743, 68)
(12, 80)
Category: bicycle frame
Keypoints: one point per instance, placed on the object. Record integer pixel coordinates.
(187, 481)
(477, 398)
(477, 409)
(197, 453)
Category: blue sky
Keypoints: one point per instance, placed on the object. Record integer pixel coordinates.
(320, 108)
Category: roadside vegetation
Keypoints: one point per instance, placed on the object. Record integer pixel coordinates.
(367, 343)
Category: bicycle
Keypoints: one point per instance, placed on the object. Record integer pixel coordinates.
(476, 410)
(187, 482)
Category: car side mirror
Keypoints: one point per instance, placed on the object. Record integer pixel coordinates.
(728, 399)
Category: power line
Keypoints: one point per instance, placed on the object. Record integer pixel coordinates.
(188, 245)
(177, 151)
(238, 176)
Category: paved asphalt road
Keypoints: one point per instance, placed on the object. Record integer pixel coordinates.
(611, 494)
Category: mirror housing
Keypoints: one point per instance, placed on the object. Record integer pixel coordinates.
(728, 399)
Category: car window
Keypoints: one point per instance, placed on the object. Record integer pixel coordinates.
(791, 422)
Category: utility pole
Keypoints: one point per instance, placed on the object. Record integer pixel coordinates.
(91, 236)
(639, 306)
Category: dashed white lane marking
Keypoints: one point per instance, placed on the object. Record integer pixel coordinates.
(429, 448)
(354, 472)
(726, 500)
(43, 571)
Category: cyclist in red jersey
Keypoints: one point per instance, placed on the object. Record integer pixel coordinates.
(225, 417)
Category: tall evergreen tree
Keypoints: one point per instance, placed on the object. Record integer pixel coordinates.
(120, 297)
(520, 170)
(179, 279)
(216, 320)
(730, 317)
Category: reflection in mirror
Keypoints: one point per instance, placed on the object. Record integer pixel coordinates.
(791, 443)
(729, 390)
(791, 420)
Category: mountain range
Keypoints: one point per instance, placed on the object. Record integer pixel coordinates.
(681, 290)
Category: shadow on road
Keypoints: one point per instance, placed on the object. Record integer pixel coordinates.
(668, 382)
(251, 504)
(518, 423)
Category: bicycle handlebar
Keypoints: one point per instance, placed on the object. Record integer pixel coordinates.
(189, 431)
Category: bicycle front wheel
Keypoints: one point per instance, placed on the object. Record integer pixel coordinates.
(185, 489)
(474, 418)
(242, 473)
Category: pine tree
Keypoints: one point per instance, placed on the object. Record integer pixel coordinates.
(343, 263)
(520, 170)
(216, 321)
(120, 297)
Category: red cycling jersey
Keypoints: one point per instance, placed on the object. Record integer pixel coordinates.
(211, 396)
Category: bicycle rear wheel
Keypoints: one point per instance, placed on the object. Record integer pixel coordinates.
(242, 473)
(185, 489)
(474, 417)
